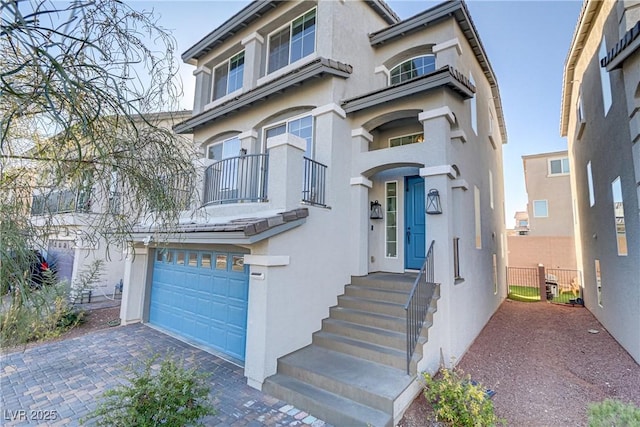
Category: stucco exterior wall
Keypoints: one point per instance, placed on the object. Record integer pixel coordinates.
(605, 142)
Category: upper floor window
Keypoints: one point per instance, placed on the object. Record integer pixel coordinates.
(227, 78)
(224, 149)
(592, 196)
(406, 140)
(414, 67)
(293, 42)
(301, 127)
(604, 79)
(474, 106)
(540, 209)
(559, 166)
(618, 213)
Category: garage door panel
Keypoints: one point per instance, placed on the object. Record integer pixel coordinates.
(203, 296)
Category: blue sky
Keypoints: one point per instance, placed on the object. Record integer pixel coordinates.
(526, 42)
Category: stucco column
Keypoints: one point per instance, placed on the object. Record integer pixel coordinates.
(359, 222)
(447, 53)
(360, 140)
(284, 186)
(136, 267)
(252, 60)
(203, 88)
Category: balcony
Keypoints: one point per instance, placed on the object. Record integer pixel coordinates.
(245, 179)
(61, 201)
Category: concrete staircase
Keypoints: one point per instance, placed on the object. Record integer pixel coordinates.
(354, 372)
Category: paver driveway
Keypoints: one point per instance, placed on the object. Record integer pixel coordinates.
(65, 378)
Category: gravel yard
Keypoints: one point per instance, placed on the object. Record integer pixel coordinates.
(545, 366)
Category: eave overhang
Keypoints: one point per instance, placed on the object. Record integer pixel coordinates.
(314, 69)
(626, 46)
(587, 16)
(238, 22)
(446, 77)
(251, 13)
(458, 10)
(236, 232)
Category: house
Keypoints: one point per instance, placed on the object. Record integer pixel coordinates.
(601, 120)
(521, 223)
(71, 218)
(547, 234)
(334, 155)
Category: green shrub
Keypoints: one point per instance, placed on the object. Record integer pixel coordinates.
(457, 401)
(174, 396)
(613, 413)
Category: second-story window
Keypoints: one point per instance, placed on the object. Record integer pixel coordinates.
(227, 78)
(293, 42)
(412, 68)
(559, 166)
(301, 127)
(406, 139)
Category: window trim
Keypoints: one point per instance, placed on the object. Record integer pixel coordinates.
(404, 136)
(621, 250)
(474, 106)
(562, 173)
(407, 60)
(477, 216)
(386, 218)
(592, 194)
(456, 259)
(290, 24)
(607, 95)
(533, 208)
(265, 128)
(226, 63)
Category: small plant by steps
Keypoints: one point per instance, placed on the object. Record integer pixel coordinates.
(457, 401)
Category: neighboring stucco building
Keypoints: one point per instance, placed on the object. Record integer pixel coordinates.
(548, 239)
(323, 144)
(601, 120)
(71, 216)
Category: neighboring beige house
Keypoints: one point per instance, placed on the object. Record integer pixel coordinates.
(601, 120)
(547, 237)
(334, 154)
(521, 227)
(70, 215)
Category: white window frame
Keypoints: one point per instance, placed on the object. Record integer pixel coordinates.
(615, 192)
(226, 63)
(411, 59)
(290, 25)
(386, 219)
(474, 106)
(404, 136)
(562, 172)
(286, 123)
(478, 219)
(592, 195)
(546, 203)
(605, 79)
(491, 189)
(221, 142)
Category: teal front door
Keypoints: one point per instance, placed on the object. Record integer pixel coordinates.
(414, 236)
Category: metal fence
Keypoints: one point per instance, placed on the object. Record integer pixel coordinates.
(237, 179)
(524, 283)
(561, 286)
(313, 190)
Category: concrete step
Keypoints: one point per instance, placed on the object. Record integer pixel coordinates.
(378, 336)
(363, 381)
(372, 306)
(330, 407)
(389, 295)
(383, 321)
(390, 281)
(373, 352)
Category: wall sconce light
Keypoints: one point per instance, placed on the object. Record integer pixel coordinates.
(420, 138)
(243, 151)
(433, 202)
(376, 210)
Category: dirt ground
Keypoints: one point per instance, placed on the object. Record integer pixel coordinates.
(546, 363)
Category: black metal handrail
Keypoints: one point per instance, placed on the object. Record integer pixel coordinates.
(418, 304)
(61, 201)
(314, 184)
(236, 179)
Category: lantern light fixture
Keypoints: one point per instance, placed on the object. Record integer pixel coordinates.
(433, 202)
(376, 210)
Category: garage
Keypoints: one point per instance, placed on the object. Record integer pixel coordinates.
(202, 296)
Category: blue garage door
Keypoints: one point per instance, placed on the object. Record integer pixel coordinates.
(202, 295)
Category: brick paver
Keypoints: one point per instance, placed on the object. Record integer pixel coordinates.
(62, 381)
